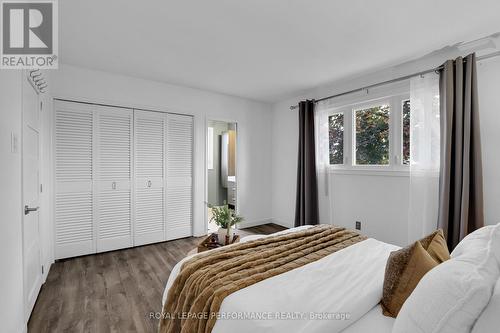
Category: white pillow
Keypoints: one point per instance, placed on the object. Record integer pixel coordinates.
(496, 243)
(452, 295)
(477, 240)
(489, 320)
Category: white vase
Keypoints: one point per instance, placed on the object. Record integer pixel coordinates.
(222, 233)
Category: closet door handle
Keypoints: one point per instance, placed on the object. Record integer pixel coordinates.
(113, 185)
(149, 183)
(28, 209)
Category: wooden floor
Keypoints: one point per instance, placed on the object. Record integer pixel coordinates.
(114, 291)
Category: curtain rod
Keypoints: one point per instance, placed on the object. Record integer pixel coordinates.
(406, 77)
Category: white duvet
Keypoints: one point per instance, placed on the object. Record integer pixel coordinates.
(327, 295)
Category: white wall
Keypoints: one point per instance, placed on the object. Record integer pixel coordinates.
(489, 112)
(253, 118)
(366, 198)
(11, 260)
(379, 202)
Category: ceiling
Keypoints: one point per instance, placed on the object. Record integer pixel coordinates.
(260, 49)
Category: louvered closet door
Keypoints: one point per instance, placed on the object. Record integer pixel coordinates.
(149, 132)
(114, 173)
(179, 176)
(74, 234)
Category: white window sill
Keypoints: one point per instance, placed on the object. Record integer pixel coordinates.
(370, 171)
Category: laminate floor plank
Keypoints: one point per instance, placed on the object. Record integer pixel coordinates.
(115, 291)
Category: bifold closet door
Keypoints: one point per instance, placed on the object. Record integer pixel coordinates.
(122, 177)
(179, 204)
(149, 152)
(113, 209)
(74, 174)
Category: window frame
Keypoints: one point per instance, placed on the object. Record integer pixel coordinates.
(401, 161)
(395, 167)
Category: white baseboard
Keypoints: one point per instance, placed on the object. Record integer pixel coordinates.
(282, 223)
(243, 225)
(248, 224)
(46, 270)
(200, 234)
(255, 223)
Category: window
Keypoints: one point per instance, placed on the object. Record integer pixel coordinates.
(372, 135)
(336, 138)
(406, 132)
(367, 135)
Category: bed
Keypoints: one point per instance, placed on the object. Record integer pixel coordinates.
(338, 293)
(341, 292)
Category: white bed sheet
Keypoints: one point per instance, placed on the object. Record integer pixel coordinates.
(372, 322)
(348, 282)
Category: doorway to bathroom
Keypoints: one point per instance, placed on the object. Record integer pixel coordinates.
(222, 183)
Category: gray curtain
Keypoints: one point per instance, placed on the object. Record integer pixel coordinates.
(306, 206)
(461, 179)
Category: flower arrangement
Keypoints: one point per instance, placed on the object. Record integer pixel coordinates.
(225, 218)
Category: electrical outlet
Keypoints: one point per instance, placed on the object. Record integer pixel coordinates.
(358, 225)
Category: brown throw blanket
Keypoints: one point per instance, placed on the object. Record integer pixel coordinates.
(195, 297)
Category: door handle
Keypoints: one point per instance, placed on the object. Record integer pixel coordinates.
(113, 185)
(27, 209)
(149, 183)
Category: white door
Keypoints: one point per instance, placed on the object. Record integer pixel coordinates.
(114, 172)
(179, 193)
(149, 153)
(121, 180)
(31, 188)
(74, 174)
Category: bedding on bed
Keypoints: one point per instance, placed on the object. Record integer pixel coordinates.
(204, 281)
(327, 295)
(451, 297)
(372, 322)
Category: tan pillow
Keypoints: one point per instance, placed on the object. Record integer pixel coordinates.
(407, 266)
(438, 248)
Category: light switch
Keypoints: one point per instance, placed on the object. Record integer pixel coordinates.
(14, 143)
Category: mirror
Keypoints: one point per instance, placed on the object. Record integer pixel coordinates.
(221, 166)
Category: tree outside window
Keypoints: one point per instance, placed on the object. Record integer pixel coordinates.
(336, 138)
(406, 132)
(372, 135)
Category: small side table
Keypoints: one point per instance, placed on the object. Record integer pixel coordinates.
(210, 243)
